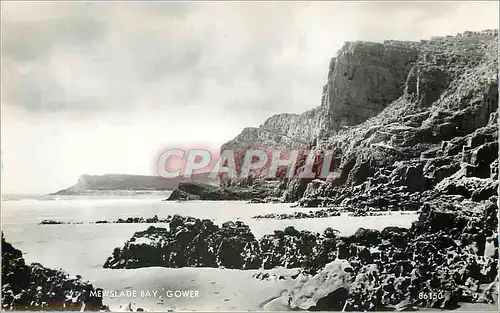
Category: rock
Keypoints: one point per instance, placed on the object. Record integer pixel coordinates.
(199, 191)
(237, 247)
(366, 237)
(484, 192)
(300, 215)
(34, 287)
(200, 243)
(190, 242)
(445, 171)
(327, 290)
(295, 190)
(343, 247)
(52, 222)
(415, 180)
(290, 248)
(178, 194)
(396, 236)
(277, 304)
(364, 290)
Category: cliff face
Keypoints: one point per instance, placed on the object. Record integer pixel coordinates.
(405, 114)
(450, 92)
(363, 79)
(281, 130)
(302, 127)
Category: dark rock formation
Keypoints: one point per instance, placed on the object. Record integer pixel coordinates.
(139, 220)
(52, 222)
(363, 79)
(200, 243)
(447, 121)
(34, 287)
(289, 248)
(189, 242)
(199, 191)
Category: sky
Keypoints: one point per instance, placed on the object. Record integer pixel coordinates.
(104, 87)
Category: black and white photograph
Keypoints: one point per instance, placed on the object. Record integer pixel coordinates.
(174, 156)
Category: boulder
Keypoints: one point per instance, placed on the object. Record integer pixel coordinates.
(327, 290)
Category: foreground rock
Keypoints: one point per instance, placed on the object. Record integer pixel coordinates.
(190, 242)
(328, 290)
(447, 257)
(34, 287)
(200, 243)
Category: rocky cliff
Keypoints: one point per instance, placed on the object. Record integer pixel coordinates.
(444, 123)
(282, 130)
(361, 81)
(401, 115)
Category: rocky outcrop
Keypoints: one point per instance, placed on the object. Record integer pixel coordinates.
(190, 242)
(199, 191)
(52, 222)
(129, 220)
(34, 287)
(290, 248)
